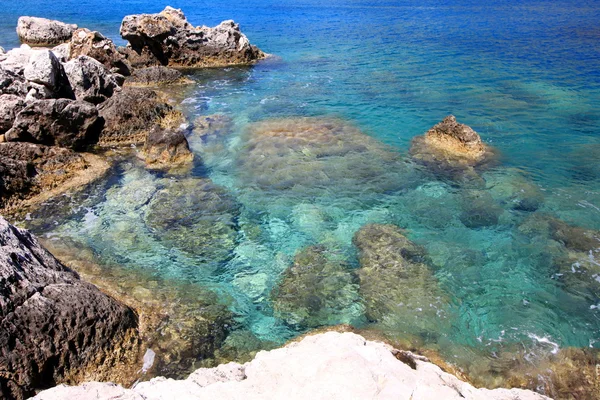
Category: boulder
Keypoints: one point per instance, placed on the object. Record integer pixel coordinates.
(93, 44)
(318, 289)
(167, 38)
(45, 69)
(90, 80)
(52, 324)
(10, 106)
(397, 283)
(329, 365)
(57, 122)
(17, 59)
(62, 52)
(450, 146)
(12, 83)
(157, 75)
(130, 114)
(43, 32)
(166, 148)
(30, 170)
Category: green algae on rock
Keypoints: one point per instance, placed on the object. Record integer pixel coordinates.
(318, 289)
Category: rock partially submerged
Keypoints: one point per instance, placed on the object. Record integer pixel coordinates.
(450, 146)
(167, 38)
(166, 148)
(43, 32)
(53, 326)
(331, 365)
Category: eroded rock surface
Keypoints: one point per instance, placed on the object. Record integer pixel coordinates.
(53, 325)
(167, 38)
(331, 365)
(43, 32)
(10, 106)
(166, 148)
(95, 45)
(157, 75)
(90, 80)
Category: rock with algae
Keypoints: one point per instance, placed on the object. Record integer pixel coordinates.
(317, 289)
(196, 216)
(166, 148)
(396, 282)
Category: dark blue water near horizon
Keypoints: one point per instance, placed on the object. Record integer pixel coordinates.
(524, 74)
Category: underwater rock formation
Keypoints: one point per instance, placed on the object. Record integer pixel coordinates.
(510, 187)
(315, 290)
(479, 209)
(450, 146)
(53, 326)
(166, 148)
(43, 32)
(396, 283)
(30, 173)
(212, 125)
(65, 123)
(95, 45)
(309, 156)
(330, 365)
(167, 38)
(131, 113)
(196, 216)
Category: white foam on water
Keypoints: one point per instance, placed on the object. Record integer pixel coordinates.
(545, 340)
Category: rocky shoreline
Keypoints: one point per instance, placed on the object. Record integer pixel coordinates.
(69, 96)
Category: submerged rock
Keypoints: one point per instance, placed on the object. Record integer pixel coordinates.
(511, 187)
(330, 365)
(157, 75)
(396, 283)
(197, 216)
(315, 290)
(167, 38)
(54, 327)
(450, 146)
(31, 173)
(479, 209)
(166, 148)
(131, 113)
(95, 45)
(61, 122)
(212, 125)
(43, 32)
(90, 80)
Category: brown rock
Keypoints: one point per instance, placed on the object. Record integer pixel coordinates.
(166, 148)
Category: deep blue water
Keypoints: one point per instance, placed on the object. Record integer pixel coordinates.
(525, 75)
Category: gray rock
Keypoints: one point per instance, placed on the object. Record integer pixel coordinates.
(57, 122)
(10, 106)
(166, 148)
(43, 32)
(12, 83)
(90, 80)
(16, 60)
(45, 69)
(157, 75)
(62, 52)
(168, 38)
(93, 44)
(52, 324)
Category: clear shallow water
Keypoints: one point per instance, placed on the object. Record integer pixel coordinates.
(524, 75)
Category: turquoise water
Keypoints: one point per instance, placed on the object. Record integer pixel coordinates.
(525, 75)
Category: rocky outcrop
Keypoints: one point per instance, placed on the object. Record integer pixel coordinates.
(165, 148)
(131, 113)
(57, 122)
(10, 106)
(43, 32)
(397, 283)
(450, 145)
(52, 324)
(93, 44)
(157, 75)
(316, 289)
(90, 80)
(31, 173)
(167, 38)
(12, 83)
(331, 365)
(46, 76)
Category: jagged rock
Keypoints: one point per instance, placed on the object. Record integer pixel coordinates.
(10, 106)
(62, 52)
(93, 44)
(329, 365)
(131, 113)
(166, 148)
(52, 324)
(43, 32)
(90, 80)
(45, 69)
(12, 83)
(450, 146)
(157, 75)
(315, 290)
(28, 170)
(168, 38)
(396, 282)
(60, 122)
